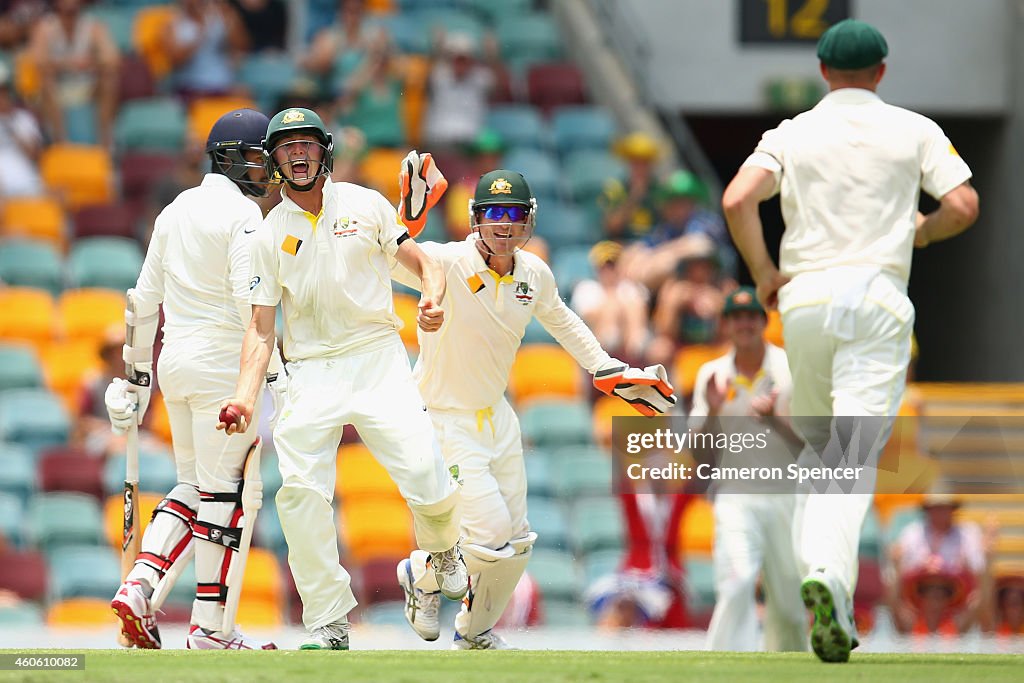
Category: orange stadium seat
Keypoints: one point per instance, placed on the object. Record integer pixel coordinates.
(66, 365)
(113, 515)
(380, 6)
(36, 217)
(773, 331)
(360, 475)
(373, 529)
(149, 35)
(416, 70)
(159, 421)
(77, 612)
(26, 76)
(205, 111)
(88, 313)
(406, 308)
(605, 408)
(263, 579)
(697, 528)
(260, 613)
(27, 314)
(380, 168)
(544, 370)
(688, 361)
(82, 174)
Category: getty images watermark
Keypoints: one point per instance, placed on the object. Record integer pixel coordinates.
(744, 454)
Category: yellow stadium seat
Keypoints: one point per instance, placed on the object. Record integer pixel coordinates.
(697, 528)
(27, 314)
(88, 313)
(360, 475)
(773, 331)
(376, 529)
(416, 70)
(544, 370)
(259, 613)
(36, 217)
(688, 361)
(263, 580)
(149, 36)
(205, 111)
(82, 175)
(26, 76)
(406, 308)
(81, 612)
(160, 421)
(66, 365)
(380, 6)
(113, 514)
(606, 408)
(380, 168)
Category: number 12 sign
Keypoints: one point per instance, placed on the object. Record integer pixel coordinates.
(789, 21)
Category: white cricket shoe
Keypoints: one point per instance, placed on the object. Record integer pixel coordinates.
(330, 637)
(421, 608)
(834, 634)
(201, 639)
(451, 573)
(138, 623)
(488, 640)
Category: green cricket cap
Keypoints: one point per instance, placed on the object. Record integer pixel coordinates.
(852, 44)
(742, 299)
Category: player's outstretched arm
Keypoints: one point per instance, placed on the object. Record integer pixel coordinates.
(751, 186)
(257, 348)
(432, 280)
(958, 209)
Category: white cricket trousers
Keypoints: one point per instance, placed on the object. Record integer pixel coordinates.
(847, 333)
(755, 535)
(374, 391)
(196, 375)
(484, 450)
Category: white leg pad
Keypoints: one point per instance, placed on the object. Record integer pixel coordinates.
(494, 575)
(168, 537)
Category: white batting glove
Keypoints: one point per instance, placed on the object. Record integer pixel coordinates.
(648, 390)
(277, 382)
(120, 405)
(421, 185)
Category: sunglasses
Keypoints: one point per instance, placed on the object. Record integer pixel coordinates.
(516, 214)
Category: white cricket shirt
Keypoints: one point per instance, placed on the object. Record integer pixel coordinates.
(330, 271)
(465, 365)
(850, 171)
(197, 264)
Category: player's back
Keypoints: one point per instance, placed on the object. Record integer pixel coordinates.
(204, 259)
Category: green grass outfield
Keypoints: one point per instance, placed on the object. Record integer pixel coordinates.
(522, 666)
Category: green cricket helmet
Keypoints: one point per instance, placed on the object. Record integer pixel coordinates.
(298, 120)
(499, 195)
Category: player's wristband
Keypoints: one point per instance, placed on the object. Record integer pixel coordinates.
(139, 379)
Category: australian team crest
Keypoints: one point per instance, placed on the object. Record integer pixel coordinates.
(342, 227)
(293, 116)
(523, 295)
(501, 186)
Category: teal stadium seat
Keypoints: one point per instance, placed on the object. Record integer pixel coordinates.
(582, 127)
(491, 12)
(268, 77)
(520, 125)
(157, 473)
(450, 20)
(565, 225)
(700, 584)
(588, 172)
(899, 521)
(553, 423)
(597, 525)
(154, 124)
(120, 20)
(80, 123)
(571, 265)
(600, 563)
(565, 614)
(19, 367)
(108, 262)
(406, 33)
(183, 592)
(527, 39)
(21, 615)
(31, 263)
(18, 474)
(555, 573)
(871, 537)
(541, 171)
(536, 334)
(12, 518)
(35, 418)
(83, 572)
(538, 473)
(547, 518)
(387, 613)
(581, 471)
(65, 519)
(268, 532)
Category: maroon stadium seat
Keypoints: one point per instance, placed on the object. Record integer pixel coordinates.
(107, 220)
(141, 170)
(136, 81)
(379, 584)
(24, 573)
(71, 471)
(554, 85)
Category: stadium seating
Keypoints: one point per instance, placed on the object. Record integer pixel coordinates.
(538, 473)
(25, 573)
(268, 77)
(359, 475)
(544, 371)
(571, 265)
(80, 123)
(268, 533)
(688, 361)
(566, 614)
(520, 125)
(141, 170)
(541, 170)
(83, 571)
(71, 470)
(582, 127)
(600, 563)
(81, 174)
(21, 615)
(35, 418)
(871, 537)
(113, 514)
(606, 408)
(377, 582)
(547, 518)
(111, 262)
(374, 529)
(149, 36)
(697, 528)
(563, 224)
(19, 368)
(109, 220)
(205, 111)
(554, 85)
(597, 525)
(27, 315)
(66, 365)
(157, 473)
(33, 217)
(153, 125)
(527, 39)
(135, 79)
(581, 471)
(588, 172)
(18, 474)
(380, 168)
(699, 583)
(12, 519)
(407, 308)
(555, 573)
(31, 263)
(88, 313)
(81, 613)
(119, 21)
(536, 334)
(56, 519)
(556, 423)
